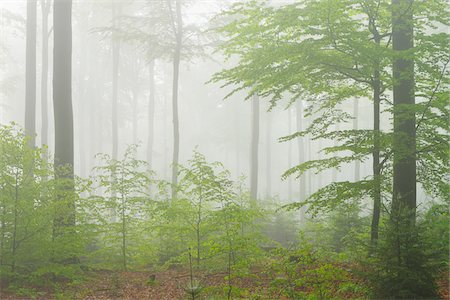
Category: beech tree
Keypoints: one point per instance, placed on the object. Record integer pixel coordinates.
(30, 81)
(254, 152)
(62, 102)
(45, 9)
(327, 53)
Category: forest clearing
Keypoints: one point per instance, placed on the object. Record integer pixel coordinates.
(224, 149)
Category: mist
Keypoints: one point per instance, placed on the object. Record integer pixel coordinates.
(197, 145)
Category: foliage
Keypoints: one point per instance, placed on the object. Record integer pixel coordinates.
(405, 267)
(305, 273)
(326, 53)
(30, 202)
(120, 214)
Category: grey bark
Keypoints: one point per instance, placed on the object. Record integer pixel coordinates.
(30, 77)
(404, 193)
(178, 30)
(254, 148)
(151, 114)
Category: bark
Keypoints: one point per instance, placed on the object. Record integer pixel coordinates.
(335, 171)
(254, 148)
(237, 135)
(62, 98)
(115, 83)
(45, 6)
(269, 156)
(301, 148)
(376, 192)
(82, 101)
(151, 114)
(289, 154)
(356, 127)
(404, 144)
(176, 76)
(30, 78)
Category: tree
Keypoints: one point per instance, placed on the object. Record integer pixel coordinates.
(268, 155)
(115, 84)
(45, 8)
(407, 272)
(177, 22)
(165, 36)
(151, 113)
(254, 152)
(126, 182)
(62, 102)
(404, 144)
(30, 82)
(328, 53)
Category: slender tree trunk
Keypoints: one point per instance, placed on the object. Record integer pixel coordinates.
(356, 127)
(151, 114)
(30, 80)
(45, 6)
(376, 167)
(176, 77)
(15, 224)
(134, 117)
(335, 171)
(309, 172)
(301, 148)
(62, 98)
(115, 84)
(254, 148)
(290, 154)
(82, 101)
(237, 135)
(404, 144)
(124, 234)
(269, 155)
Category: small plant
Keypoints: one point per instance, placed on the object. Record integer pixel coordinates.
(194, 287)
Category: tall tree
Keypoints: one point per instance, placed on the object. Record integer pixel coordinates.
(151, 113)
(30, 80)
(347, 60)
(301, 148)
(115, 85)
(177, 21)
(268, 155)
(356, 127)
(45, 8)
(404, 145)
(62, 97)
(254, 148)
(289, 111)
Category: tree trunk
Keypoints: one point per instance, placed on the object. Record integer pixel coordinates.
(404, 144)
(237, 136)
(301, 148)
(335, 171)
(290, 154)
(376, 167)
(356, 127)
(62, 98)
(254, 148)
(151, 114)
(176, 77)
(269, 155)
(30, 80)
(82, 101)
(45, 6)
(115, 83)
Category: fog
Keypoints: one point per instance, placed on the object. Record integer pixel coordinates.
(220, 129)
(277, 141)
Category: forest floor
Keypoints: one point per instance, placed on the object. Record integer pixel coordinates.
(165, 285)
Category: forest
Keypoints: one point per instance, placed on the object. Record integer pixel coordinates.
(224, 149)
